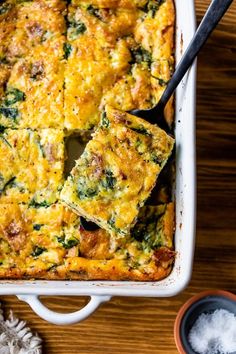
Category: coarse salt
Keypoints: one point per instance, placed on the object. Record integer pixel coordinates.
(214, 333)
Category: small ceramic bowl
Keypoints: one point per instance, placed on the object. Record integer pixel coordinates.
(205, 302)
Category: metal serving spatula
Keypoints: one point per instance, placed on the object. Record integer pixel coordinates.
(155, 115)
(213, 15)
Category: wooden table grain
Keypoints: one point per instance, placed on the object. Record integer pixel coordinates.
(142, 325)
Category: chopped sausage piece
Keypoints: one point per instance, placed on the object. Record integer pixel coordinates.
(15, 234)
(37, 71)
(163, 256)
(35, 30)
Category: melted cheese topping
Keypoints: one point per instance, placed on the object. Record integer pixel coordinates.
(38, 25)
(115, 52)
(7, 26)
(120, 56)
(84, 89)
(127, 4)
(7, 20)
(40, 78)
(102, 186)
(31, 166)
(35, 52)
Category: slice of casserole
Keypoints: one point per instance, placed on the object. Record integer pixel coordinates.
(33, 96)
(39, 25)
(29, 237)
(7, 27)
(31, 166)
(32, 91)
(50, 243)
(117, 171)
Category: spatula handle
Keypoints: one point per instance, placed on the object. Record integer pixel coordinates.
(213, 15)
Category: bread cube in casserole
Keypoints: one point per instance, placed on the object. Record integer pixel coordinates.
(117, 171)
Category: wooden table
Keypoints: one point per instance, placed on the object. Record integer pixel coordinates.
(145, 326)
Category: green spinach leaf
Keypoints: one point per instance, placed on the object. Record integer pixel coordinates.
(4, 8)
(9, 183)
(67, 244)
(109, 181)
(140, 55)
(11, 113)
(160, 80)
(94, 11)
(75, 29)
(2, 129)
(141, 130)
(104, 120)
(13, 95)
(37, 251)
(37, 227)
(85, 193)
(67, 47)
(34, 204)
(153, 6)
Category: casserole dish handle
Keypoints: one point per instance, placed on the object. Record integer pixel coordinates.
(62, 318)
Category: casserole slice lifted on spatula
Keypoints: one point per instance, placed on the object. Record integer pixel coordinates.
(117, 171)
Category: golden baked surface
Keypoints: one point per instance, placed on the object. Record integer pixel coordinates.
(120, 55)
(31, 166)
(61, 64)
(35, 57)
(50, 243)
(102, 186)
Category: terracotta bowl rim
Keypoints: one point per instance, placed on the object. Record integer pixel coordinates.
(187, 305)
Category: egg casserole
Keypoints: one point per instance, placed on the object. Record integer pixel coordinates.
(63, 66)
(103, 187)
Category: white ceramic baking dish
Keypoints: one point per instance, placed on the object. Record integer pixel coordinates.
(101, 291)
